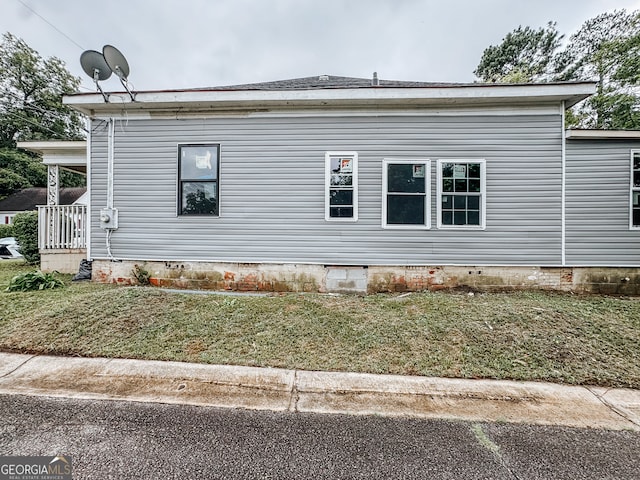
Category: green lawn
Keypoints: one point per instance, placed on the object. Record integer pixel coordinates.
(555, 337)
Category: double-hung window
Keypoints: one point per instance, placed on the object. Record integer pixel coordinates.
(634, 216)
(461, 194)
(405, 196)
(341, 186)
(198, 179)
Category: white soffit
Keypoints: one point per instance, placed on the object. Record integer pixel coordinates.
(481, 94)
(604, 134)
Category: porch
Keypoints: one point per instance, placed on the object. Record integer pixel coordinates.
(62, 229)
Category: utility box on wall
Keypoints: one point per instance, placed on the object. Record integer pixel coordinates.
(109, 218)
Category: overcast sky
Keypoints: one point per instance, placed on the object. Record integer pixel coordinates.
(174, 44)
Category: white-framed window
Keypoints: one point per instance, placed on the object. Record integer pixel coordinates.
(198, 179)
(341, 187)
(634, 208)
(405, 193)
(461, 194)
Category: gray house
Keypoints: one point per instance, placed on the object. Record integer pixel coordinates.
(346, 184)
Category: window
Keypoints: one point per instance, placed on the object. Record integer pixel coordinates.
(635, 190)
(341, 178)
(198, 179)
(405, 199)
(461, 194)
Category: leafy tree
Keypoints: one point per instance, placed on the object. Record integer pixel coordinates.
(525, 55)
(606, 49)
(31, 108)
(31, 90)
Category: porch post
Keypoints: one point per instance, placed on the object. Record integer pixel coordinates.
(53, 184)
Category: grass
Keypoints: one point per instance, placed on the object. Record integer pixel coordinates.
(553, 337)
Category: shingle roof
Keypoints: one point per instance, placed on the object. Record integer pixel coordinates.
(329, 81)
(29, 198)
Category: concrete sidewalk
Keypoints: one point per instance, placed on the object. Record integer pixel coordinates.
(320, 392)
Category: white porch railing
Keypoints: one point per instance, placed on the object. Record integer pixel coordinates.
(62, 227)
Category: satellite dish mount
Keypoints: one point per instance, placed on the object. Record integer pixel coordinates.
(100, 66)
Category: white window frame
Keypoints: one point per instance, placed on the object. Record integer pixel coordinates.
(427, 195)
(327, 185)
(632, 190)
(482, 194)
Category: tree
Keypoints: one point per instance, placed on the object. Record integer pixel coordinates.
(31, 90)
(606, 49)
(31, 108)
(525, 55)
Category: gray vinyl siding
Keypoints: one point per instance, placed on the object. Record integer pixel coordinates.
(272, 190)
(597, 204)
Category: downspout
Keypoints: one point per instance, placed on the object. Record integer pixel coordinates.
(110, 160)
(87, 226)
(564, 178)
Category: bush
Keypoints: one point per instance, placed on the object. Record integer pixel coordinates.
(6, 231)
(33, 281)
(25, 229)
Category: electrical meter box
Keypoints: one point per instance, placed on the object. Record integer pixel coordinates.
(109, 218)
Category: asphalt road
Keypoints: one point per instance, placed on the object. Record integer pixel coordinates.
(122, 440)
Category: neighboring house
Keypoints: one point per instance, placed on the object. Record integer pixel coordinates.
(28, 200)
(346, 184)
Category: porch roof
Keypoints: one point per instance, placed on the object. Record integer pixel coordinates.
(71, 155)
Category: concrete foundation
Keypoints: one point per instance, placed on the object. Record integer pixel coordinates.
(63, 261)
(372, 279)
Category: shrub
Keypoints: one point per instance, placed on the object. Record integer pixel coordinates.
(33, 281)
(141, 274)
(6, 231)
(25, 229)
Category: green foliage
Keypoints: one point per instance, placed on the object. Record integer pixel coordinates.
(605, 49)
(6, 231)
(31, 90)
(25, 229)
(525, 55)
(141, 274)
(33, 281)
(20, 170)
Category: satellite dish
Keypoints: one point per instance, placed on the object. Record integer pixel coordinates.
(94, 65)
(116, 61)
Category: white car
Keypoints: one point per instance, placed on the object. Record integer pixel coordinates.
(9, 248)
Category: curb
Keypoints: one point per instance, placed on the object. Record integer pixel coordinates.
(320, 392)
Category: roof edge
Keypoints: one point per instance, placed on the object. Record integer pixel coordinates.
(602, 134)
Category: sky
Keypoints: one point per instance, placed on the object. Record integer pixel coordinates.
(179, 44)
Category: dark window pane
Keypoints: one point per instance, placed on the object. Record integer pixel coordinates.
(473, 218)
(406, 178)
(341, 197)
(341, 212)
(447, 218)
(636, 199)
(447, 170)
(636, 217)
(447, 201)
(460, 202)
(405, 209)
(636, 179)
(199, 198)
(474, 185)
(636, 161)
(459, 218)
(447, 185)
(474, 170)
(460, 185)
(473, 202)
(199, 162)
(341, 180)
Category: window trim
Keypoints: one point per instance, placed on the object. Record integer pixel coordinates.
(179, 213)
(632, 190)
(483, 194)
(427, 195)
(327, 185)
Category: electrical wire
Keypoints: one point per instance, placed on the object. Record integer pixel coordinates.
(52, 25)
